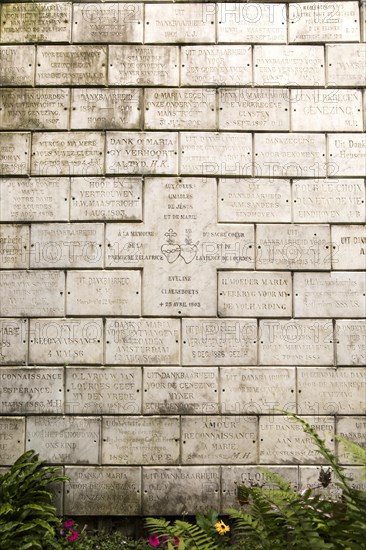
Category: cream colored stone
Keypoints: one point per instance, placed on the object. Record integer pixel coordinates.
(350, 342)
(12, 436)
(352, 428)
(17, 65)
(346, 155)
(252, 22)
(13, 341)
(14, 153)
(14, 246)
(346, 64)
(192, 23)
(349, 246)
(107, 23)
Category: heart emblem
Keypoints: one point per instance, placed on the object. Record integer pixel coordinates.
(188, 252)
(171, 252)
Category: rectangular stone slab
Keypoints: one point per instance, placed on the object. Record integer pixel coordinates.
(253, 22)
(346, 63)
(350, 342)
(263, 294)
(64, 439)
(64, 341)
(31, 390)
(331, 390)
(173, 490)
(346, 154)
(14, 246)
(34, 199)
(180, 24)
(13, 341)
(219, 439)
(154, 341)
(140, 440)
(14, 153)
(113, 198)
(352, 428)
(348, 246)
(32, 293)
(335, 294)
(12, 438)
(101, 491)
(114, 292)
(219, 341)
(103, 390)
(17, 65)
(178, 390)
(296, 342)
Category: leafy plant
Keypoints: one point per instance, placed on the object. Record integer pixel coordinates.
(182, 534)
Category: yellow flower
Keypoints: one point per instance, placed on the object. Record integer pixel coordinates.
(221, 527)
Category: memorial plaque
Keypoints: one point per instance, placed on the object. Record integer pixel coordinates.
(349, 246)
(216, 154)
(194, 23)
(347, 154)
(12, 435)
(114, 292)
(67, 245)
(292, 444)
(296, 342)
(31, 390)
(142, 341)
(64, 439)
(99, 491)
(71, 65)
(64, 341)
(14, 246)
(351, 342)
(324, 22)
(143, 65)
(330, 294)
(219, 341)
(178, 390)
(254, 109)
(332, 110)
(289, 65)
(61, 153)
(311, 477)
(13, 341)
(293, 247)
(34, 108)
(99, 109)
(255, 294)
(257, 390)
(346, 64)
(14, 153)
(118, 198)
(140, 440)
(253, 22)
(332, 200)
(142, 153)
(32, 293)
(216, 65)
(103, 390)
(290, 155)
(331, 390)
(179, 108)
(17, 65)
(36, 22)
(352, 428)
(174, 491)
(180, 264)
(110, 22)
(219, 439)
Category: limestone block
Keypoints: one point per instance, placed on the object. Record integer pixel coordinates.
(14, 246)
(346, 64)
(14, 154)
(112, 22)
(192, 23)
(12, 434)
(352, 428)
(349, 245)
(252, 22)
(17, 65)
(346, 155)
(13, 341)
(350, 342)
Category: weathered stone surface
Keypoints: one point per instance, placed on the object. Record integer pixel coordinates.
(219, 341)
(175, 490)
(255, 295)
(60, 341)
(99, 491)
(107, 23)
(293, 247)
(144, 65)
(330, 294)
(31, 390)
(252, 22)
(194, 23)
(349, 245)
(140, 440)
(28, 293)
(346, 155)
(311, 478)
(346, 64)
(114, 292)
(14, 153)
(332, 200)
(14, 246)
(180, 390)
(64, 439)
(216, 65)
(283, 440)
(219, 439)
(12, 434)
(296, 342)
(17, 65)
(254, 390)
(142, 341)
(13, 341)
(350, 338)
(103, 390)
(352, 428)
(67, 245)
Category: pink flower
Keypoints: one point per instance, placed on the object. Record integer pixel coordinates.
(69, 523)
(74, 535)
(154, 540)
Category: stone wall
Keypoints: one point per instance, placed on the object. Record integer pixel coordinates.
(182, 244)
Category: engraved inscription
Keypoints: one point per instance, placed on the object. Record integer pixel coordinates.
(13, 341)
(346, 64)
(12, 432)
(348, 246)
(352, 428)
(14, 154)
(252, 22)
(347, 154)
(17, 65)
(180, 23)
(14, 246)
(350, 342)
